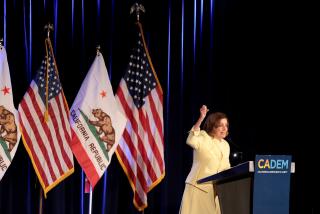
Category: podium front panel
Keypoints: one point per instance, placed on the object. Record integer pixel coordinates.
(272, 184)
(235, 196)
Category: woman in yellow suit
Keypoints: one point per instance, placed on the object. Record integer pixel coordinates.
(210, 156)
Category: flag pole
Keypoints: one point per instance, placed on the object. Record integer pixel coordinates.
(40, 200)
(137, 9)
(48, 27)
(90, 197)
(90, 200)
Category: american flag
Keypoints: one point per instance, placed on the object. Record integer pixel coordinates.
(140, 151)
(44, 120)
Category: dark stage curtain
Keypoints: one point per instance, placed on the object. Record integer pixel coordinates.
(245, 58)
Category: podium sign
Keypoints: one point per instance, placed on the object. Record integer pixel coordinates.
(271, 184)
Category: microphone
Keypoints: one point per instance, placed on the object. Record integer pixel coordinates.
(236, 154)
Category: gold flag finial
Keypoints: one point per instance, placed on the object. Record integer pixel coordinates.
(1, 43)
(48, 27)
(98, 50)
(137, 8)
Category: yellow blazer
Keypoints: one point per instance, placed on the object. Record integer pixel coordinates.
(210, 156)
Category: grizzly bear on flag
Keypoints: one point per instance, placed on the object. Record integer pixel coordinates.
(106, 131)
(8, 127)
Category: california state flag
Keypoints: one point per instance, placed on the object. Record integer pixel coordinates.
(96, 121)
(9, 126)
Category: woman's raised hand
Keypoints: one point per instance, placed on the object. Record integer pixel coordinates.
(203, 111)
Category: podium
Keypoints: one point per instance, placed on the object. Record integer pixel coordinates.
(255, 187)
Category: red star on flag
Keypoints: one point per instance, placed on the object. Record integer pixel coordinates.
(103, 94)
(5, 90)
